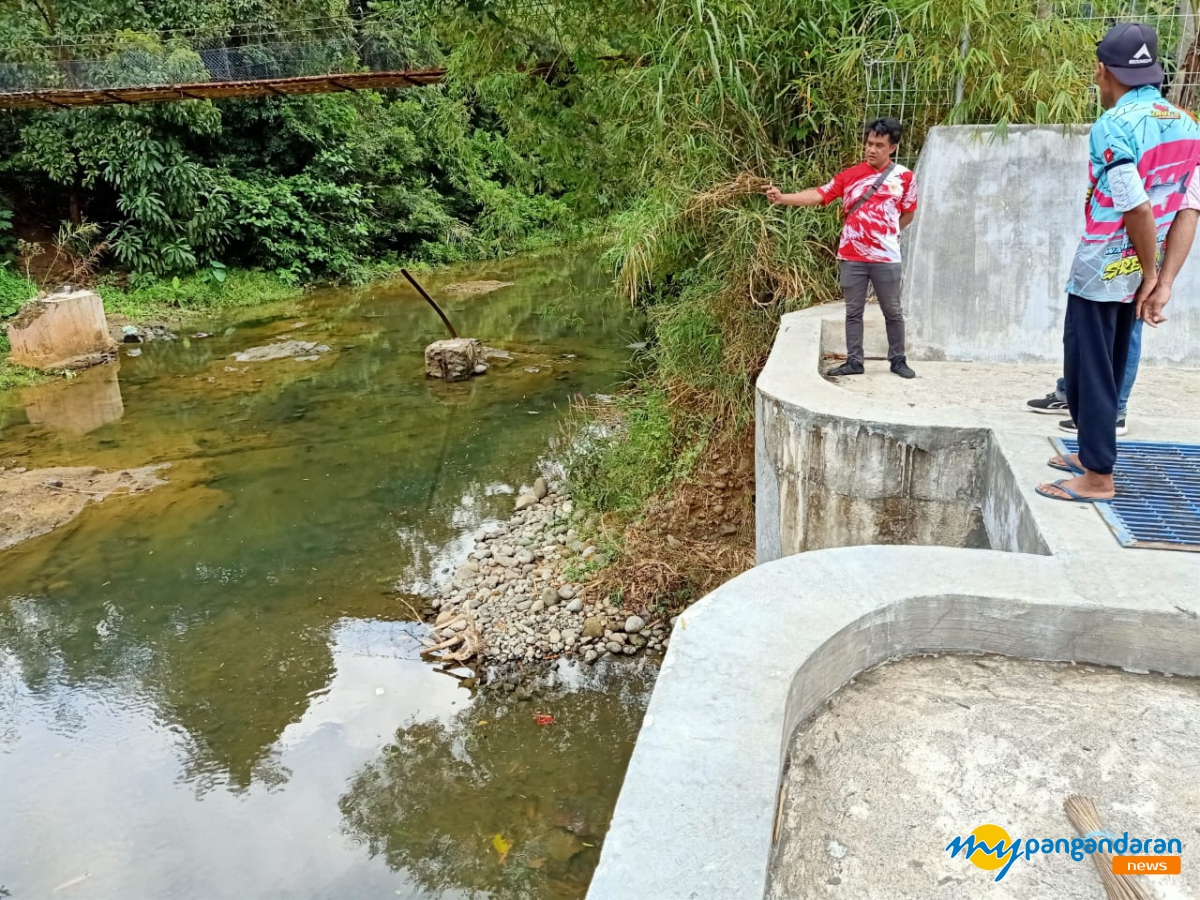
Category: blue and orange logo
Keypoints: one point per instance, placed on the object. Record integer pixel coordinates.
(989, 847)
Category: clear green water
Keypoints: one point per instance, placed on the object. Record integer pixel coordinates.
(210, 690)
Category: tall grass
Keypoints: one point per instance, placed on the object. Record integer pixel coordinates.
(716, 98)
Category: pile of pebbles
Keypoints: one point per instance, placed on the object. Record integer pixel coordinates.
(521, 591)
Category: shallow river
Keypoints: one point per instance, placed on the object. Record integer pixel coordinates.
(212, 690)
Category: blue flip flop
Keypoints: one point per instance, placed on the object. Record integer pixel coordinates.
(1072, 496)
(1067, 467)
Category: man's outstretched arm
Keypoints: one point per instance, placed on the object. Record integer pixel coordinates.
(810, 197)
(1179, 244)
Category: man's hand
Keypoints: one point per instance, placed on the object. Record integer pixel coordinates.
(774, 194)
(1144, 293)
(1150, 310)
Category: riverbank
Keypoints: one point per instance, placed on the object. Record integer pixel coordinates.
(159, 308)
(557, 581)
(527, 593)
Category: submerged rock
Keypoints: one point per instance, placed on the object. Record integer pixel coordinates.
(471, 288)
(302, 350)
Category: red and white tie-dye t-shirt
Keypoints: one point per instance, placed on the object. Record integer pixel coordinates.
(872, 232)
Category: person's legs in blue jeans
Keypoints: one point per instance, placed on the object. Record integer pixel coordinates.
(1131, 369)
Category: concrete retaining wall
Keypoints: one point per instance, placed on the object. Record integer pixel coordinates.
(843, 483)
(832, 474)
(988, 254)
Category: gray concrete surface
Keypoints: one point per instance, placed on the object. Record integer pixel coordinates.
(929, 466)
(988, 254)
(695, 817)
(933, 460)
(913, 753)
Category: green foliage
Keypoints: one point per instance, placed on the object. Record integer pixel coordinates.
(310, 187)
(7, 235)
(203, 292)
(14, 291)
(15, 376)
(709, 101)
(300, 226)
(647, 450)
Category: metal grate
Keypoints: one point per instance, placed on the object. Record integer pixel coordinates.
(1158, 495)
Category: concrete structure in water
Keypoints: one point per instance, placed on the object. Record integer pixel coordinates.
(942, 469)
(62, 331)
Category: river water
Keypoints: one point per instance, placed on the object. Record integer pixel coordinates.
(212, 690)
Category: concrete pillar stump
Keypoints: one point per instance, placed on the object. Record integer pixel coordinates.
(62, 331)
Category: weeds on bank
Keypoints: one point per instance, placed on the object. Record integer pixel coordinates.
(623, 452)
(16, 376)
(200, 293)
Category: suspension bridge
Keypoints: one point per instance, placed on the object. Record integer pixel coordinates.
(315, 56)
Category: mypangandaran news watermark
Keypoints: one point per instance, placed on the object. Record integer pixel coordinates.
(989, 847)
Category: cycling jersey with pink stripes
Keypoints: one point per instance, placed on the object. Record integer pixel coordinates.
(1143, 149)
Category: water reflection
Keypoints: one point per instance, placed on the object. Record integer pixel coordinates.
(435, 799)
(175, 667)
(72, 408)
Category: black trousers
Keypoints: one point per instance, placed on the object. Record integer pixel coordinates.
(1095, 350)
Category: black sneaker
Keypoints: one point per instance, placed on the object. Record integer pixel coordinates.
(900, 367)
(1069, 425)
(849, 367)
(1048, 404)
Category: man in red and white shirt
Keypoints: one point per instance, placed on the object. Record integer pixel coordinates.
(880, 199)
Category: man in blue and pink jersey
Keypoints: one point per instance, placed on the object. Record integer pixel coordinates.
(1143, 152)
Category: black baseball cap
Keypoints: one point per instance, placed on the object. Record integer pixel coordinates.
(1130, 52)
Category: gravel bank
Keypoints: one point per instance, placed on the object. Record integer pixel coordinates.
(522, 597)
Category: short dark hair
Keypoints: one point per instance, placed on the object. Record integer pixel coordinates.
(885, 127)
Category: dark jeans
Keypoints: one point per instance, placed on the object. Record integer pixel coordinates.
(1095, 354)
(885, 277)
(1127, 382)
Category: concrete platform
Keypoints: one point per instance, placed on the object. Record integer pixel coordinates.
(932, 466)
(919, 748)
(1165, 404)
(961, 424)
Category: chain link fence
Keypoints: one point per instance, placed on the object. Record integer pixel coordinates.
(892, 87)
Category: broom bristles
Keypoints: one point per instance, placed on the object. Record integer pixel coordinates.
(1083, 815)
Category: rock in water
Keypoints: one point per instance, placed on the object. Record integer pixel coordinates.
(539, 488)
(454, 359)
(301, 350)
(525, 501)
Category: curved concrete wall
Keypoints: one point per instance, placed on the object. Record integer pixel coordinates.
(988, 254)
(753, 660)
(835, 469)
(696, 813)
